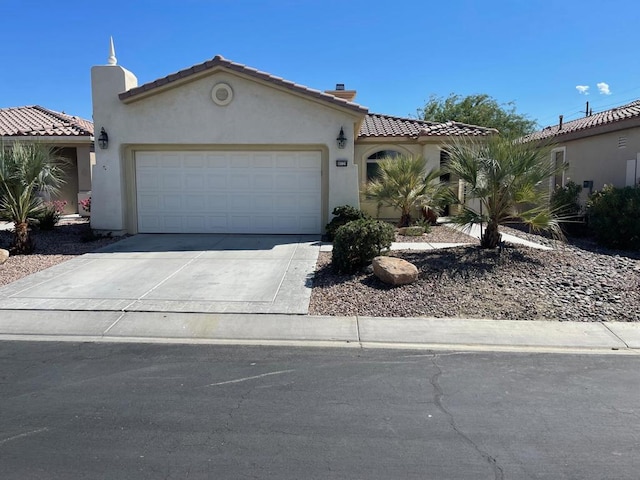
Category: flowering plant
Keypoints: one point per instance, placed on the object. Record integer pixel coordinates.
(86, 204)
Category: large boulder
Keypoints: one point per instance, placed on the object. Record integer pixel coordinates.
(394, 271)
(4, 254)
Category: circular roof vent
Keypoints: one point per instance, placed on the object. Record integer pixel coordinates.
(222, 94)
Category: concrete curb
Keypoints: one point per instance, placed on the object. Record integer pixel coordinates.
(312, 331)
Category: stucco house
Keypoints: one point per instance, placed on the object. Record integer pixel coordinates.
(224, 148)
(598, 149)
(72, 137)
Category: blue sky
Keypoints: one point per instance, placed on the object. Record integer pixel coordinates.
(395, 54)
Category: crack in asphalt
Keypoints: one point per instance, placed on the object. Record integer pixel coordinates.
(437, 400)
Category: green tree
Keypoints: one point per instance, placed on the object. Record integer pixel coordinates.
(480, 109)
(404, 183)
(27, 172)
(509, 179)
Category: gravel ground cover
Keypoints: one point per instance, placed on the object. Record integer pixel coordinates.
(576, 281)
(69, 239)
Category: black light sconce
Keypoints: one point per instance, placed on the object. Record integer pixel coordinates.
(342, 140)
(103, 139)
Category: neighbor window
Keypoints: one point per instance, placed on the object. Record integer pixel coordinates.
(373, 162)
(558, 161)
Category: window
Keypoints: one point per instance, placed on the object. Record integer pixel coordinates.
(372, 162)
(558, 161)
(444, 159)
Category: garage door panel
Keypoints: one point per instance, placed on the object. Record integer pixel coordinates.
(240, 181)
(217, 161)
(149, 202)
(172, 203)
(229, 192)
(240, 160)
(172, 180)
(196, 182)
(217, 182)
(196, 203)
(218, 203)
(263, 181)
(217, 223)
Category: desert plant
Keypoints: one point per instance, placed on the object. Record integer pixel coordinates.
(613, 215)
(404, 183)
(358, 242)
(27, 170)
(509, 178)
(343, 215)
(50, 214)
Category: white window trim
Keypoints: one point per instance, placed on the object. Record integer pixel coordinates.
(552, 185)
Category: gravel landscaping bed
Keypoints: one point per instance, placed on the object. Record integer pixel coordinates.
(438, 234)
(69, 239)
(577, 281)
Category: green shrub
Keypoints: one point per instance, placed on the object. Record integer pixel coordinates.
(413, 231)
(50, 214)
(565, 200)
(613, 215)
(358, 242)
(342, 216)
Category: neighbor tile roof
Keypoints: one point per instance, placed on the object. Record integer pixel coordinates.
(377, 125)
(630, 110)
(39, 121)
(219, 61)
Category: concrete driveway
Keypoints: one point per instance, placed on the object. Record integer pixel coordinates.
(178, 273)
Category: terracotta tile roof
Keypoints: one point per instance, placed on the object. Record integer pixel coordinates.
(39, 121)
(376, 125)
(219, 61)
(630, 110)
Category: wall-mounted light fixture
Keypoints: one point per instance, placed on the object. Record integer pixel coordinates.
(103, 139)
(342, 140)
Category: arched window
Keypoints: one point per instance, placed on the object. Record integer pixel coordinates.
(373, 160)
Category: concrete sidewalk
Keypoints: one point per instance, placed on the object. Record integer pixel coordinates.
(304, 330)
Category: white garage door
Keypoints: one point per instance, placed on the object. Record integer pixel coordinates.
(229, 192)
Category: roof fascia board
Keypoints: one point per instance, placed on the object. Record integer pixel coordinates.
(67, 139)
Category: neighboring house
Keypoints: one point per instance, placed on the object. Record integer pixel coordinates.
(598, 149)
(383, 136)
(71, 136)
(223, 148)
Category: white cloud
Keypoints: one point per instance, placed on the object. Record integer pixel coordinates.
(583, 89)
(603, 88)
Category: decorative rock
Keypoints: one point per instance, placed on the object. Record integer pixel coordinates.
(4, 254)
(394, 271)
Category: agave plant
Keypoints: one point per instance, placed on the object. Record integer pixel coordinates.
(28, 171)
(510, 180)
(404, 183)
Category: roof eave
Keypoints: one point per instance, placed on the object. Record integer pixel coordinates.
(560, 136)
(201, 71)
(56, 139)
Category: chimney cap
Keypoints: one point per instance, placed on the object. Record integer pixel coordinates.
(339, 86)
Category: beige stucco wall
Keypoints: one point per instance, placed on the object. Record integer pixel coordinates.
(365, 148)
(259, 116)
(598, 158)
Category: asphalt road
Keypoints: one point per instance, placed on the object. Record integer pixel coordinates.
(125, 411)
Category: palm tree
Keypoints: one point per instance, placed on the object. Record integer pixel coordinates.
(27, 171)
(404, 183)
(510, 179)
